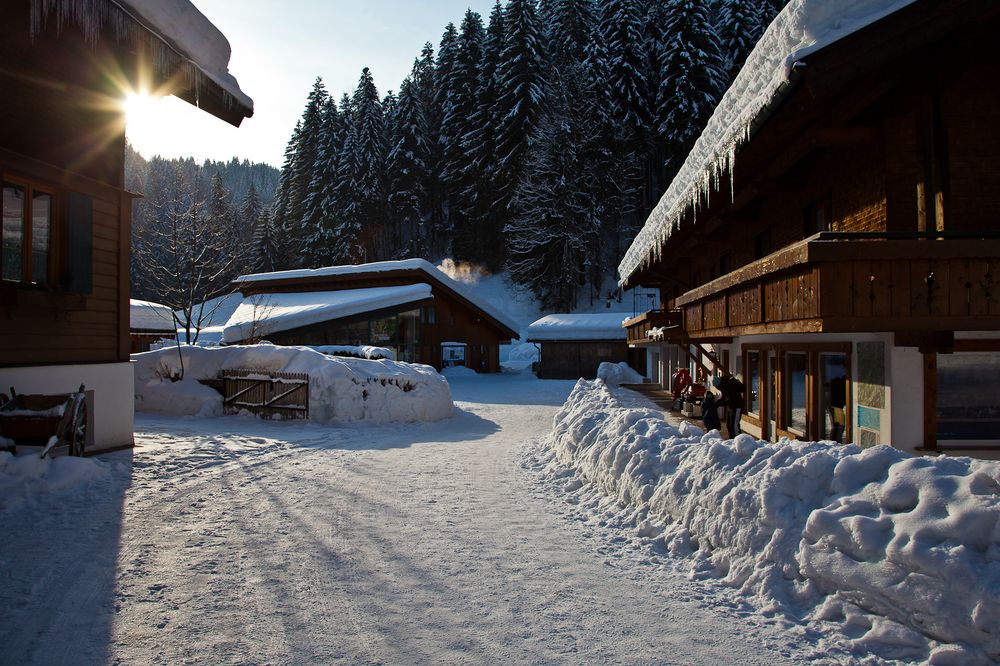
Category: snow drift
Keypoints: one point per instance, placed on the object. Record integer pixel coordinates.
(615, 374)
(25, 475)
(340, 389)
(916, 540)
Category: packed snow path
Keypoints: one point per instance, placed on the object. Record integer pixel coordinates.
(234, 540)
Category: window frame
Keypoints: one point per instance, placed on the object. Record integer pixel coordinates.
(32, 187)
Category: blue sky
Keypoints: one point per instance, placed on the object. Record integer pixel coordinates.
(279, 48)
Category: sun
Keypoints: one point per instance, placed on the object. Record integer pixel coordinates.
(139, 107)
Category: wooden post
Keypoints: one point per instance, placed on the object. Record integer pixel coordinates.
(930, 401)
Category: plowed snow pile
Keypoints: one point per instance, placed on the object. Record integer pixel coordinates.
(340, 389)
(811, 529)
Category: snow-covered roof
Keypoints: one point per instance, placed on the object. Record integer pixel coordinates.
(803, 27)
(555, 327)
(384, 267)
(263, 314)
(180, 24)
(149, 316)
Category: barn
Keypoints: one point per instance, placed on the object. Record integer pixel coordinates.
(575, 345)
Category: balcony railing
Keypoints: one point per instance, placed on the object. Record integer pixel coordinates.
(640, 327)
(855, 282)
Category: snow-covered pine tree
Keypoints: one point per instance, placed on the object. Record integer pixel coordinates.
(368, 187)
(741, 23)
(305, 161)
(265, 247)
(406, 174)
(693, 78)
(425, 95)
(281, 218)
(622, 31)
(459, 108)
(520, 96)
(319, 215)
(347, 248)
(480, 154)
(554, 219)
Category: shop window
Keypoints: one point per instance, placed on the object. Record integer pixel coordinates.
(833, 396)
(26, 233)
(794, 411)
(968, 386)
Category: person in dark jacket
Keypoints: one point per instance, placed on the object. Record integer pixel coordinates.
(710, 412)
(732, 397)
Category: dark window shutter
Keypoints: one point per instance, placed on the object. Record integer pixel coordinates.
(80, 234)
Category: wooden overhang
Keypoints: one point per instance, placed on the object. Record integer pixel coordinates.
(844, 282)
(811, 111)
(363, 280)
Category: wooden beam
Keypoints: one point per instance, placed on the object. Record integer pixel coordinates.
(716, 361)
(696, 359)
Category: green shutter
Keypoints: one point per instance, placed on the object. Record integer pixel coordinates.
(80, 233)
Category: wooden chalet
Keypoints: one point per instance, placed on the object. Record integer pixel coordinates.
(409, 306)
(573, 346)
(149, 323)
(64, 265)
(851, 240)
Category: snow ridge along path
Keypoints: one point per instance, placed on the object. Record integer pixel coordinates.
(233, 540)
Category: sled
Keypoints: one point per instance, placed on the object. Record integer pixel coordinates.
(49, 421)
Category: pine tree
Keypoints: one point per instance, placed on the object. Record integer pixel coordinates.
(266, 250)
(741, 24)
(406, 174)
(689, 93)
(367, 207)
(478, 145)
(320, 206)
(520, 95)
(459, 108)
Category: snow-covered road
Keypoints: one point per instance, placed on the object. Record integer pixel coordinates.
(240, 541)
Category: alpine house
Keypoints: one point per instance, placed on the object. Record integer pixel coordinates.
(832, 238)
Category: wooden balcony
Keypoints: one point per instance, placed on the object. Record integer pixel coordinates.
(855, 282)
(639, 327)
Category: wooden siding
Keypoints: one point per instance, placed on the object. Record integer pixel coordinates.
(576, 359)
(638, 328)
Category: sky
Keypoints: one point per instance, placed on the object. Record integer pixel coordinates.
(279, 48)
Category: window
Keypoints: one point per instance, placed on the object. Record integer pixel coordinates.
(753, 374)
(833, 396)
(794, 412)
(762, 244)
(428, 315)
(28, 213)
(818, 217)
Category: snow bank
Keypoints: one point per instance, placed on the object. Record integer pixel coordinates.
(25, 475)
(356, 351)
(340, 389)
(802, 27)
(916, 540)
(614, 374)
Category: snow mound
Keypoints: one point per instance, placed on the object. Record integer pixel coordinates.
(615, 374)
(356, 351)
(806, 525)
(458, 371)
(802, 27)
(26, 475)
(340, 389)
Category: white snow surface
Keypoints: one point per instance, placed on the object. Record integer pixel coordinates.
(802, 27)
(599, 326)
(150, 316)
(385, 266)
(26, 475)
(180, 24)
(340, 389)
(615, 374)
(262, 314)
(899, 553)
(357, 351)
(234, 540)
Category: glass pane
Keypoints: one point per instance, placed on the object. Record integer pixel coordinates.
(753, 372)
(968, 386)
(41, 222)
(772, 392)
(13, 232)
(796, 365)
(833, 396)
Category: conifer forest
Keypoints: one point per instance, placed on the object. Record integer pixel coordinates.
(535, 140)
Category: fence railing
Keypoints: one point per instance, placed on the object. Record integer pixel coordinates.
(283, 395)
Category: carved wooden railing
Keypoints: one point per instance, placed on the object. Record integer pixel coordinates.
(844, 282)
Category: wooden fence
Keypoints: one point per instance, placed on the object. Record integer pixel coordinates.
(284, 395)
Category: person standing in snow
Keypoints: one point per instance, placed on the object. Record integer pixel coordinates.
(732, 397)
(710, 413)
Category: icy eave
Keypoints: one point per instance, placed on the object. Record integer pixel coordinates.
(802, 28)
